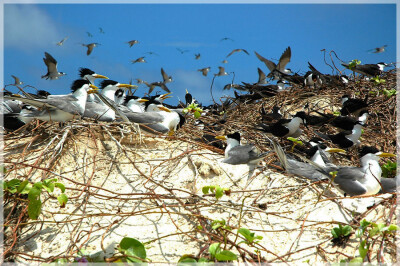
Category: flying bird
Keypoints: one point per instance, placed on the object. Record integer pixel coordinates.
(378, 50)
(225, 39)
(182, 51)
(90, 47)
(17, 81)
(62, 41)
(139, 60)
(165, 77)
(204, 71)
(237, 50)
(132, 43)
(89, 34)
(151, 53)
(197, 56)
(101, 30)
(221, 72)
(262, 78)
(280, 67)
(51, 63)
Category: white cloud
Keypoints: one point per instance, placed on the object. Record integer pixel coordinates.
(27, 27)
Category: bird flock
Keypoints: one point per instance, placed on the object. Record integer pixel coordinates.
(112, 101)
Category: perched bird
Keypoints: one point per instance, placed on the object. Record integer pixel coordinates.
(13, 121)
(273, 68)
(197, 56)
(165, 77)
(51, 63)
(345, 139)
(139, 60)
(312, 79)
(342, 122)
(17, 81)
(135, 103)
(378, 50)
(240, 154)
(132, 43)
(62, 108)
(274, 115)
(221, 72)
(204, 71)
(353, 105)
(237, 50)
(90, 47)
(286, 127)
(312, 171)
(88, 74)
(371, 70)
(60, 43)
(364, 180)
(109, 87)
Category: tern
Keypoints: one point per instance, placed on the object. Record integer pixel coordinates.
(371, 70)
(221, 72)
(132, 43)
(165, 76)
(156, 84)
(138, 60)
(182, 51)
(240, 154)
(51, 63)
(197, 56)
(237, 50)
(62, 108)
(283, 61)
(90, 47)
(353, 105)
(204, 71)
(345, 139)
(364, 180)
(262, 78)
(378, 50)
(17, 81)
(90, 75)
(60, 43)
(286, 127)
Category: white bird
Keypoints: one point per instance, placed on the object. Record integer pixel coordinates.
(60, 43)
(51, 63)
(62, 108)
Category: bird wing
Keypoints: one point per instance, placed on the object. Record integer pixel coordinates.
(389, 185)
(271, 65)
(285, 59)
(89, 49)
(241, 154)
(164, 75)
(16, 79)
(51, 63)
(164, 87)
(261, 76)
(349, 180)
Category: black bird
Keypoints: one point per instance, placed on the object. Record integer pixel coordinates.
(371, 70)
(378, 50)
(237, 50)
(132, 43)
(156, 84)
(275, 69)
(225, 39)
(90, 47)
(286, 127)
(274, 115)
(182, 51)
(17, 81)
(353, 105)
(204, 71)
(345, 139)
(197, 56)
(165, 77)
(342, 122)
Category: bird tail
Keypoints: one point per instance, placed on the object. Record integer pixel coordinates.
(280, 153)
(322, 135)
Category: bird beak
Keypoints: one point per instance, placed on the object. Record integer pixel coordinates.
(186, 91)
(93, 86)
(331, 150)
(127, 86)
(165, 96)
(221, 137)
(142, 100)
(93, 91)
(171, 132)
(163, 108)
(97, 76)
(385, 154)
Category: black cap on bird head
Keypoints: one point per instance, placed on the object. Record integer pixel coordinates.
(367, 149)
(107, 82)
(235, 136)
(77, 84)
(85, 71)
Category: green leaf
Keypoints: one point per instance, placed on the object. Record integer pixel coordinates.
(22, 186)
(34, 193)
(392, 228)
(49, 187)
(364, 223)
(188, 258)
(34, 207)
(12, 185)
(219, 192)
(357, 260)
(363, 248)
(374, 231)
(133, 246)
(60, 186)
(62, 199)
(225, 255)
(197, 114)
(202, 260)
(38, 185)
(217, 224)
(3, 169)
(335, 232)
(346, 230)
(214, 249)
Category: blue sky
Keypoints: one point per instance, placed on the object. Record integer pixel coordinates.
(31, 29)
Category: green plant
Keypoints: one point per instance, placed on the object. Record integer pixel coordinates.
(133, 249)
(250, 237)
(354, 63)
(193, 108)
(34, 191)
(187, 258)
(389, 169)
(377, 80)
(341, 231)
(221, 254)
(295, 142)
(219, 192)
(389, 93)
